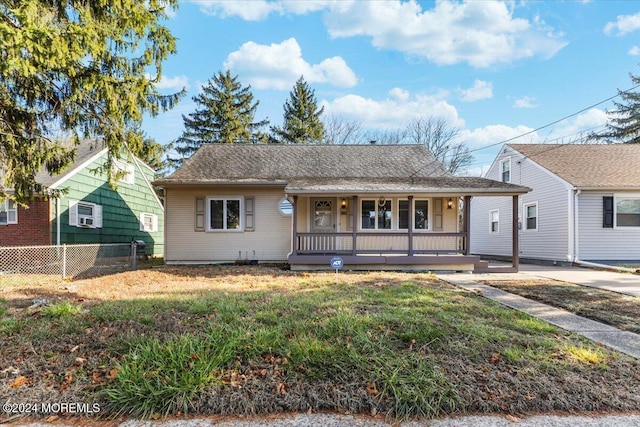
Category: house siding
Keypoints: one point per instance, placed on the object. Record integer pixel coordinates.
(596, 243)
(32, 228)
(121, 209)
(271, 239)
(551, 239)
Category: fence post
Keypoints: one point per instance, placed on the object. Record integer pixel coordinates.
(64, 261)
(134, 249)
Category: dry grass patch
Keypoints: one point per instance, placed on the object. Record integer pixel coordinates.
(258, 340)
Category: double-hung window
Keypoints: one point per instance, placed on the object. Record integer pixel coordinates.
(85, 214)
(495, 221)
(224, 213)
(148, 222)
(8, 212)
(627, 211)
(531, 216)
(376, 214)
(420, 214)
(505, 170)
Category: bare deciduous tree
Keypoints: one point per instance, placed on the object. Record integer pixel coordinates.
(338, 130)
(440, 137)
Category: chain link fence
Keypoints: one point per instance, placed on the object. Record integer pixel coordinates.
(69, 260)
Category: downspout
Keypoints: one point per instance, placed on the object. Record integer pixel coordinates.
(576, 234)
(607, 267)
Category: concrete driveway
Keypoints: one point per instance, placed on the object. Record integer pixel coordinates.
(624, 283)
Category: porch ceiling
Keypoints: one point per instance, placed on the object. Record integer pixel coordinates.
(470, 186)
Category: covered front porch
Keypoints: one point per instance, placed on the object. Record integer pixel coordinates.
(387, 231)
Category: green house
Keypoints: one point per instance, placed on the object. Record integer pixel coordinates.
(89, 210)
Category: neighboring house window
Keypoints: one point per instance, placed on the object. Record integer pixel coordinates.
(420, 214)
(125, 170)
(8, 212)
(505, 170)
(531, 216)
(495, 221)
(85, 214)
(148, 222)
(627, 211)
(224, 213)
(376, 214)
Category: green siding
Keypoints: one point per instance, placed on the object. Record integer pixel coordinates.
(121, 209)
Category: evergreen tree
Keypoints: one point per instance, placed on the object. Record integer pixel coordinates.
(75, 69)
(624, 125)
(302, 124)
(224, 115)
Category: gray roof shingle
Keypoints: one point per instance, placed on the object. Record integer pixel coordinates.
(328, 168)
(588, 165)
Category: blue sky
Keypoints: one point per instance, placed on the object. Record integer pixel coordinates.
(495, 70)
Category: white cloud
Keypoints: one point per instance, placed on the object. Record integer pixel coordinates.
(525, 102)
(278, 66)
(394, 112)
(481, 33)
(480, 90)
(634, 51)
(624, 24)
(175, 83)
(249, 10)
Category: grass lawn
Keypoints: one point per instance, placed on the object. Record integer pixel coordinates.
(257, 340)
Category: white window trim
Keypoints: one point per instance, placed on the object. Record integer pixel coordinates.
(502, 163)
(491, 212)
(524, 216)
(5, 208)
(396, 223)
(129, 177)
(224, 218)
(74, 217)
(154, 222)
(617, 197)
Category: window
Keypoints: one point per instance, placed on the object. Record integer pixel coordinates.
(85, 214)
(148, 222)
(124, 171)
(284, 207)
(505, 170)
(627, 211)
(376, 214)
(531, 216)
(495, 220)
(420, 214)
(8, 212)
(224, 214)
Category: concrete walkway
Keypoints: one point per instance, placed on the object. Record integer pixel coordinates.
(622, 341)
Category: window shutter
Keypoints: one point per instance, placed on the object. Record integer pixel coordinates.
(607, 212)
(249, 213)
(199, 218)
(142, 221)
(154, 220)
(73, 213)
(97, 216)
(437, 215)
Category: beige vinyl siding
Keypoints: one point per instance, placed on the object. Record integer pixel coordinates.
(551, 239)
(596, 243)
(271, 239)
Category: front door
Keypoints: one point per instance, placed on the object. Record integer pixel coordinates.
(323, 221)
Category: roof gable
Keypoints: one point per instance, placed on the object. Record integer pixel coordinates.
(588, 165)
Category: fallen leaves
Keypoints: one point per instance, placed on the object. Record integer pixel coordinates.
(20, 381)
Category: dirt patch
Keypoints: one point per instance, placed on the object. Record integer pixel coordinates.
(611, 308)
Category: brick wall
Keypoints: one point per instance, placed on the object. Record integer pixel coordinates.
(33, 227)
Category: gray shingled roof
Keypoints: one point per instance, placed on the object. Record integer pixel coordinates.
(84, 151)
(327, 168)
(615, 166)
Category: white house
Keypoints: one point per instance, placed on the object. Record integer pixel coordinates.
(584, 204)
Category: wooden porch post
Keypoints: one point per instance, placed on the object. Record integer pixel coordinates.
(410, 234)
(515, 256)
(354, 226)
(295, 225)
(467, 223)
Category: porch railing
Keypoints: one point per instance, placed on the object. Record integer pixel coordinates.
(373, 243)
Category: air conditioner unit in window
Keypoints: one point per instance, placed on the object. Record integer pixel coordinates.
(86, 221)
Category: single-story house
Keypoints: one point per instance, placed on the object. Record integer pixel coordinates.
(375, 206)
(88, 210)
(584, 204)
